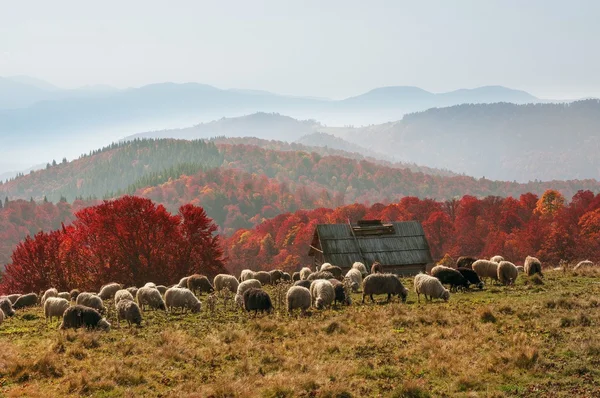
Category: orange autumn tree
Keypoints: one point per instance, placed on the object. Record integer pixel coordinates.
(550, 203)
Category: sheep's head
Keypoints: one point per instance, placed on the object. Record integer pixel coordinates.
(196, 307)
(480, 285)
(404, 294)
(104, 325)
(445, 295)
(319, 303)
(162, 306)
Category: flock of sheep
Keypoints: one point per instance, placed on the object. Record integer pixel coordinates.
(320, 289)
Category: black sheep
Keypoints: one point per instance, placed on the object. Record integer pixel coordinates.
(26, 300)
(296, 276)
(79, 316)
(74, 293)
(450, 276)
(340, 293)
(257, 300)
(304, 283)
(465, 262)
(471, 276)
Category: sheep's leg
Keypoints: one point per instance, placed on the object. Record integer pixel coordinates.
(372, 299)
(419, 298)
(363, 300)
(389, 297)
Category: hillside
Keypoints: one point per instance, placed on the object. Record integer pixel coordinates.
(499, 141)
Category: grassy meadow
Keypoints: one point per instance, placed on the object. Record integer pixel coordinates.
(530, 340)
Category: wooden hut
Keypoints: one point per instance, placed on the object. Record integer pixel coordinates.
(400, 247)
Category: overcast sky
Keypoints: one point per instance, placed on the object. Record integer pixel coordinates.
(320, 48)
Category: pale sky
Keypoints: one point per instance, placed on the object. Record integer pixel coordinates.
(321, 48)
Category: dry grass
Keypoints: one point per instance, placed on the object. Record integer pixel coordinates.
(523, 340)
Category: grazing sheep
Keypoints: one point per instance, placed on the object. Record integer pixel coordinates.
(383, 284)
(52, 292)
(225, 281)
(177, 297)
(465, 262)
(286, 277)
(322, 293)
(263, 276)
(304, 283)
(376, 268)
(162, 289)
(320, 275)
(55, 307)
(520, 268)
(1, 317)
(151, 297)
(133, 290)
(6, 307)
(152, 285)
(129, 311)
(26, 300)
(13, 297)
(296, 276)
(91, 300)
(74, 293)
(471, 276)
(64, 295)
(450, 276)
(199, 284)
(304, 273)
(355, 277)
(121, 295)
(340, 292)
(108, 291)
(183, 282)
(79, 316)
(430, 286)
(497, 259)
(320, 267)
(276, 276)
(257, 300)
(242, 287)
(486, 269)
(507, 273)
(580, 265)
(334, 270)
(298, 297)
(361, 267)
(246, 274)
(532, 266)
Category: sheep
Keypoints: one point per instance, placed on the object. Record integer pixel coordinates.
(296, 276)
(497, 259)
(151, 297)
(6, 307)
(383, 284)
(79, 316)
(242, 287)
(286, 277)
(507, 273)
(162, 289)
(177, 297)
(320, 267)
(304, 273)
(246, 274)
(322, 293)
(91, 300)
(152, 285)
(486, 269)
(360, 267)
(355, 277)
(74, 293)
(376, 268)
(263, 276)
(52, 292)
(55, 307)
(340, 292)
(133, 290)
(449, 276)
(108, 291)
(580, 265)
(430, 286)
(532, 266)
(276, 276)
(304, 283)
(320, 275)
(471, 276)
(13, 297)
(257, 300)
(223, 281)
(26, 300)
(183, 282)
(64, 295)
(121, 295)
(520, 268)
(465, 262)
(1, 317)
(199, 284)
(298, 297)
(334, 270)
(129, 311)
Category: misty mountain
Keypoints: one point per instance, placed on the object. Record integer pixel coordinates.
(498, 141)
(331, 141)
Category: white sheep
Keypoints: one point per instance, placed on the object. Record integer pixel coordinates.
(55, 307)
(507, 273)
(298, 297)
(304, 273)
(242, 287)
(430, 286)
(123, 294)
(183, 282)
(223, 281)
(361, 267)
(580, 265)
(91, 300)
(177, 297)
(355, 277)
(486, 269)
(65, 295)
(532, 266)
(52, 292)
(1, 317)
(108, 291)
(129, 311)
(246, 274)
(152, 285)
(151, 297)
(322, 293)
(497, 259)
